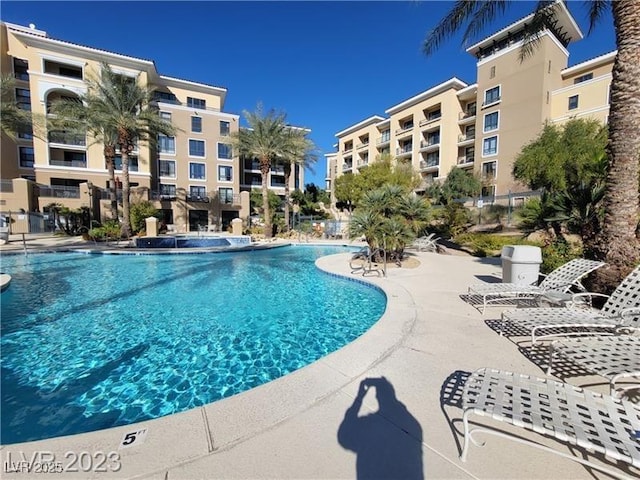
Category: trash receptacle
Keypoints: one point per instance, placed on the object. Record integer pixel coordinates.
(521, 264)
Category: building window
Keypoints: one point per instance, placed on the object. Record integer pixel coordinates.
(434, 115)
(488, 191)
(167, 168)
(196, 103)
(225, 173)
(197, 171)
(198, 191)
(27, 157)
(489, 146)
(491, 121)
(433, 138)
(492, 95)
(26, 133)
(225, 128)
(226, 195)
(583, 78)
(167, 192)
(23, 98)
(166, 144)
(133, 163)
(492, 72)
(433, 159)
(196, 148)
(165, 116)
(489, 170)
(196, 124)
(164, 97)
(21, 69)
(224, 151)
(573, 102)
(386, 136)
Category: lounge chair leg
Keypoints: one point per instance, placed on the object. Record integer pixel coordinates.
(465, 447)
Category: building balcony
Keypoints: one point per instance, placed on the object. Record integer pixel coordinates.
(404, 132)
(362, 145)
(467, 117)
(467, 138)
(58, 191)
(429, 165)
(233, 200)
(384, 140)
(68, 139)
(429, 145)
(347, 149)
(404, 151)
(198, 198)
(347, 167)
(465, 161)
(68, 163)
(429, 121)
(363, 163)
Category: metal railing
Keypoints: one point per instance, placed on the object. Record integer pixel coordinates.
(59, 191)
(424, 164)
(404, 129)
(198, 198)
(427, 121)
(383, 139)
(429, 143)
(463, 160)
(405, 149)
(68, 163)
(65, 138)
(464, 138)
(465, 115)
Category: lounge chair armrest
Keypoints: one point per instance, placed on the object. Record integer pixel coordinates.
(579, 298)
(627, 315)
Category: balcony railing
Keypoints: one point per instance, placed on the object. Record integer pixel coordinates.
(405, 149)
(427, 121)
(362, 145)
(68, 163)
(230, 199)
(362, 163)
(6, 186)
(466, 159)
(64, 138)
(58, 191)
(466, 137)
(429, 142)
(198, 198)
(105, 194)
(424, 164)
(347, 166)
(382, 140)
(465, 115)
(347, 149)
(404, 129)
(153, 195)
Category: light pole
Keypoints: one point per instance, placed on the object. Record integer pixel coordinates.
(90, 193)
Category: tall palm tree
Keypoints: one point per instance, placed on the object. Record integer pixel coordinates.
(267, 138)
(301, 153)
(617, 242)
(124, 107)
(79, 115)
(13, 118)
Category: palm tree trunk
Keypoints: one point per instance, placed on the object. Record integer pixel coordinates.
(265, 168)
(109, 156)
(287, 195)
(619, 245)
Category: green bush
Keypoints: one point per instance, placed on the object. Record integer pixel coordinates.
(487, 244)
(109, 230)
(139, 211)
(558, 253)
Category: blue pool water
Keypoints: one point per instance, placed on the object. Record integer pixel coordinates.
(95, 341)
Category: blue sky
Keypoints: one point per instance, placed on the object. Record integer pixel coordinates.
(328, 65)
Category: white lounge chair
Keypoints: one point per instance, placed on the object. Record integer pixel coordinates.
(622, 309)
(428, 243)
(597, 423)
(363, 261)
(615, 357)
(562, 279)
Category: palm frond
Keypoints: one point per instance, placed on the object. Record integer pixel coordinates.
(596, 9)
(485, 13)
(449, 25)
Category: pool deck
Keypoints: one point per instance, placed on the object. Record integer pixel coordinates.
(428, 338)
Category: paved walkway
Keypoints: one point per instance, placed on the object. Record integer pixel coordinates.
(313, 423)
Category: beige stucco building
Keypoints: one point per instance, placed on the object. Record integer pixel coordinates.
(194, 177)
(484, 125)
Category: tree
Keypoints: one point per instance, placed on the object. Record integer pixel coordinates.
(351, 188)
(267, 138)
(617, 242)
(117, 104)
(300, 152)
(15, 118)
(562, 156)
(80, 116)
(459, 184)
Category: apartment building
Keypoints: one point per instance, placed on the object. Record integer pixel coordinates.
(194, 177)
(483, 126)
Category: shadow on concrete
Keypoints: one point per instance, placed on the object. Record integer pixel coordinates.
(388, 443)
(451, 396)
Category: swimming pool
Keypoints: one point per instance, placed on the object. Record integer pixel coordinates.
(95, 341)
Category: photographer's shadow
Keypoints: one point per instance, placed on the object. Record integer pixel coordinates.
(388, 443)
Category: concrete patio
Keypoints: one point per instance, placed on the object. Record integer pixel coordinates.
(309, 424)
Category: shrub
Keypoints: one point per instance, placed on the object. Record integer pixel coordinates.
(109, 230)
(139, 212)
(486, 244)
(558, 253)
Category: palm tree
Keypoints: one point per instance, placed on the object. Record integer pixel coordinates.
(301, 153)
(79, 115)
(267, 138)
(124, 107)
(13, 118)
(617, 243)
